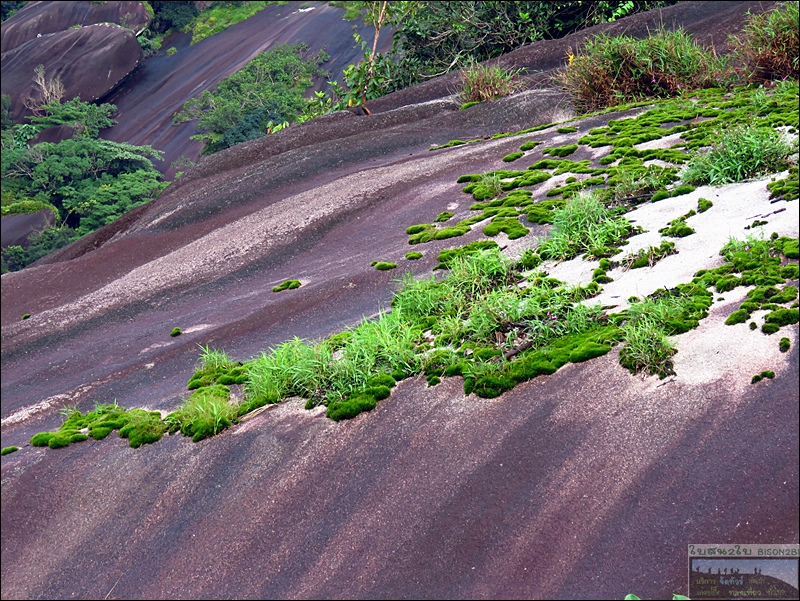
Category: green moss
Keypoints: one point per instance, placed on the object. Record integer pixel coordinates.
(413, 255)
(660, 195)
(351, 407)
(787, 295)
(443, 216)
(790, 271)
(451, 232)
(8, 450)
(530, 145)
(681, 190)
(785, 344)
(287, 285)
(384, 266)
(512, 157)
(753, 325)
(26, 316)
(42, 439)
(561, 151)
(728, 282)
(782, 317)
(446, 256)
(770, 328)
(175, 332)
(511, 226)
(703, 205)
(566, 130)
(467, 105)
(738, 316)
(764, 374)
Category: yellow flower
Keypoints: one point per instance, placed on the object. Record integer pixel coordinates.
(570, 58)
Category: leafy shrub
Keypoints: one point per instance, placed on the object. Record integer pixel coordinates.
(480, 83)
(613, 70)
(248, 104)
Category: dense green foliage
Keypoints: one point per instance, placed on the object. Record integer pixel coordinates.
(438, 37)
(255, 100)
(85, 181)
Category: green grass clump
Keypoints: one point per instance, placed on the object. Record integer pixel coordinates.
(8, 450)
(383, 265)
(613, 70)
(216, 367)
(785, 344)
(413, 255)
(740, 153)
(769, 43)
(287, 285)
(647, 257)
(175, 332)
(764, 374)
(467, 105)
(581, 225)
(446, 256)
(481, 83)
(648, 325)
(208, 411)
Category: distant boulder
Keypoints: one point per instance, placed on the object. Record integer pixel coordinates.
(41, 18)
(90, 62)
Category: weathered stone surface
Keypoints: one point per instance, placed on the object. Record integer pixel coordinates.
(41, 18)
(90, 61)
(589, 483)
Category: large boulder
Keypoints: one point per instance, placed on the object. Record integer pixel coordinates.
(90, 62)
(40, 18)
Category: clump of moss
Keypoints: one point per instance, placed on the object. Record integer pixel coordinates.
(26, 316)
(287, 285)
(448, 255)
(443, 216)
(413, 255)
(510, 225)
(512, 156)
(383, 265)
(175, 332)
(7, 450)
(703, 204)
(566, 130)
(647, 257)
(785, 344)
(137, 425)
(561, 151)
(677, 228)
(764, 374)
(529, 145)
